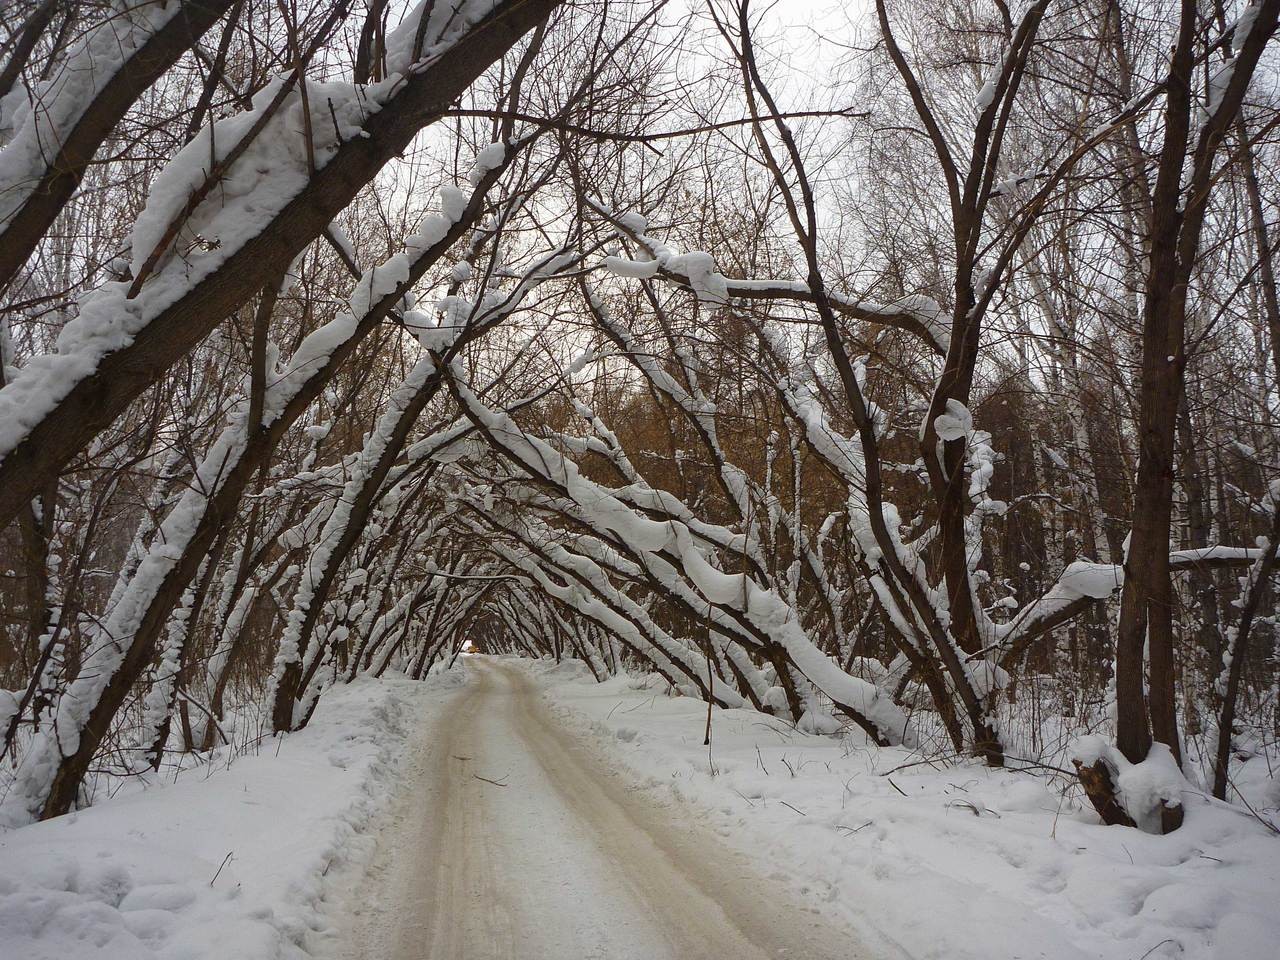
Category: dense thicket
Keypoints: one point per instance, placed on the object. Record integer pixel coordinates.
(922, 378)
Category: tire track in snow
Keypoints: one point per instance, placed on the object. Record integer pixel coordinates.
(562, 862)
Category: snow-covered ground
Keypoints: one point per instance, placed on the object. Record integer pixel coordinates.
(257, 856)
(230, 862)
(941, 860)
(507, 840)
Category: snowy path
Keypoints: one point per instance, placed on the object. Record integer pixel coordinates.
(559, 863)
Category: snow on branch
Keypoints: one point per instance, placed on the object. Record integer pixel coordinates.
(696, 271)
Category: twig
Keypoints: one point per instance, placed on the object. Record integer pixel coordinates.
(639, 705)
(1042, 766)
(929, 761)
(223, 864)
(853, 830)
(1257, 816)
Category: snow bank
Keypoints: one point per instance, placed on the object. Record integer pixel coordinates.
(969, 863)
(143, 876)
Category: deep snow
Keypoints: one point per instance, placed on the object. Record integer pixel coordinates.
(143, 876)
(506, 840)
(970, 863)
(923, 859)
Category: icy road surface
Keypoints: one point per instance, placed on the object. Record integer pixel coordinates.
(557, 863)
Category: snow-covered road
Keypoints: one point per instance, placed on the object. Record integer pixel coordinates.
(508, 839)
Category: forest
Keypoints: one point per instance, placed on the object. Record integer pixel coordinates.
(894, 370)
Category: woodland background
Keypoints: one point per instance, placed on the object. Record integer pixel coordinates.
(919, 376)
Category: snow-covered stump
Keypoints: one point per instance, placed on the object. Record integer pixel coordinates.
(1146, 795)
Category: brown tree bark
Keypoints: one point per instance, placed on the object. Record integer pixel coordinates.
(1177, 215)
(96, 400)
(220, 511)
(23, 231)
